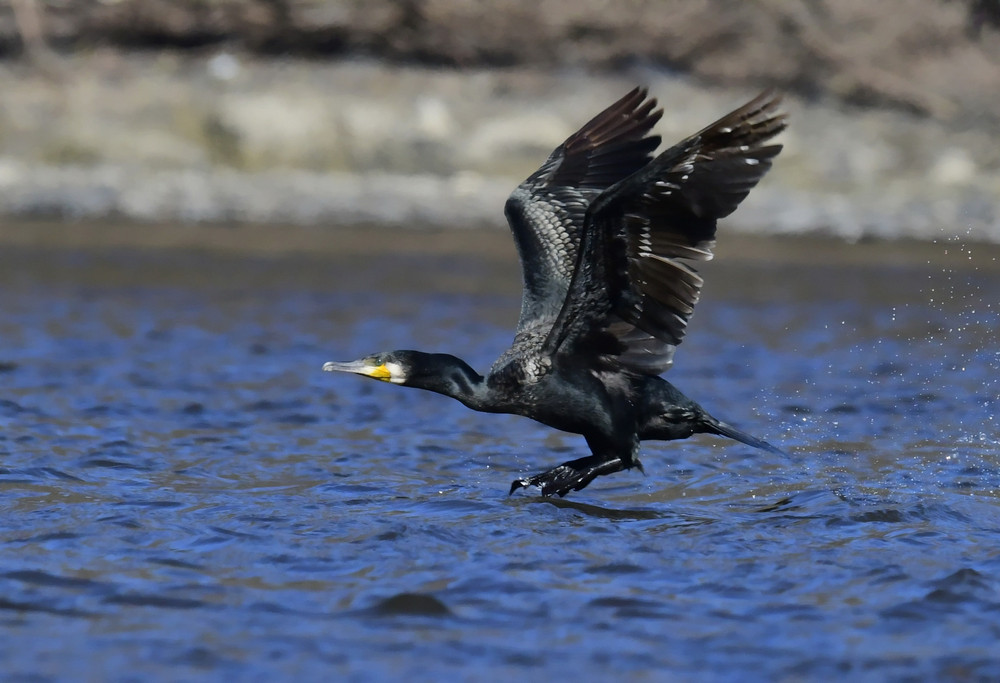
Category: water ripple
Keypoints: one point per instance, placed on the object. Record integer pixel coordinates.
(186, 495)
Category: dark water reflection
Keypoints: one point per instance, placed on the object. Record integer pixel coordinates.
(185, 494)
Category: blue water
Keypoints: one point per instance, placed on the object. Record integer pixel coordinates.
(185, 495)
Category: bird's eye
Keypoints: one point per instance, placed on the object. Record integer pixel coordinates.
(376, 360)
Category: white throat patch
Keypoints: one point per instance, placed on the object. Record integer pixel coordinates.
(396, 373)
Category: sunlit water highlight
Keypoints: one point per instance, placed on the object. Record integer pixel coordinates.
(185, 494)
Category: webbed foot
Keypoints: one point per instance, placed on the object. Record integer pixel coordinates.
(569, 476)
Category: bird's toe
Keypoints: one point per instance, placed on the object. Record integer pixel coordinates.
(557, 481)
(571, 476)
(518, 484)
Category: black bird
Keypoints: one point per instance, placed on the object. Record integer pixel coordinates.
(604, 231)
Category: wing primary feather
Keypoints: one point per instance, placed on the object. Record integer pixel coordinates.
(630, 280)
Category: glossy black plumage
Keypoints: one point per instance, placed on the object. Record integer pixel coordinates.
(605, 232)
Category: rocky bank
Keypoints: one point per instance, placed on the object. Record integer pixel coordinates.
(220, 117)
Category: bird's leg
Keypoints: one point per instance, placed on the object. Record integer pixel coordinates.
(573, 475)
(609, 455)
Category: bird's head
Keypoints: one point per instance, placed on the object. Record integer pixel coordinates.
(437, 372)
(390, 366)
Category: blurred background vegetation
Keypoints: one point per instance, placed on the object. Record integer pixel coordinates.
(426, 112)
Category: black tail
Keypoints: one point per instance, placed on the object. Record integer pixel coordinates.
(713, 426)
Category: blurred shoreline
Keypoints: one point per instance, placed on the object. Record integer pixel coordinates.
(41, 240)
(225, 138)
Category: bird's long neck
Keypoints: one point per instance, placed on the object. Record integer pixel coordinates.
(453, 377)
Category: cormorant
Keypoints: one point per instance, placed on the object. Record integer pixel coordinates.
(604, 231)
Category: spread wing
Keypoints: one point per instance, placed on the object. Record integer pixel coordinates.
(546, 211)
(633, 288)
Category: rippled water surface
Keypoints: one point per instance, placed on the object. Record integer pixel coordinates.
(184, 494)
